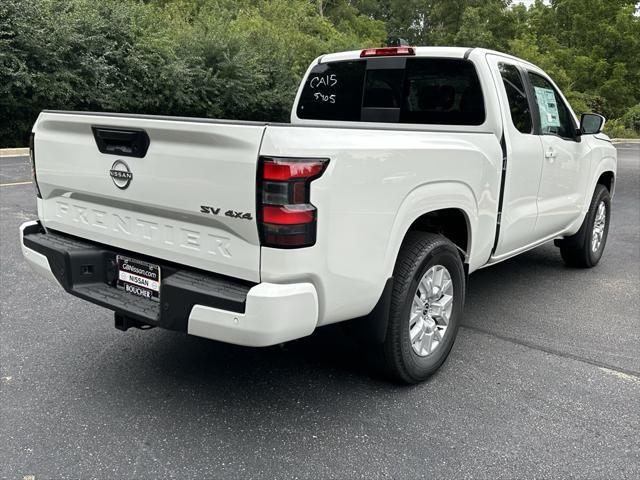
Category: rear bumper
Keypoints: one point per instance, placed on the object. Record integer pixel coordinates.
(274, 314)
(196, 302)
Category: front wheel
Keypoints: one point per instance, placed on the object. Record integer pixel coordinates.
(426, 307)
(585, 248)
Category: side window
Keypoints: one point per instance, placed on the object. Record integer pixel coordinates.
(517, 96)
(555, 117)
(442, 91)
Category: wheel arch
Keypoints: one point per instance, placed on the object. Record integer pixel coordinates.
(451, 202)
(447, 208)
(452, 223)
(604, 174)
(607, 179)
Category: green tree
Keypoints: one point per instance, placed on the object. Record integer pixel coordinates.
(244, 58)
(592, 45)
(235, 59)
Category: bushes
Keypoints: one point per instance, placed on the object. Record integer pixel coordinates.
(628, 126)
(244, 58)
(235, 59)
(78, 54)
(616, 129)
(631, 119)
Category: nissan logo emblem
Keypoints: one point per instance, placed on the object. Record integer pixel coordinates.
(120, 174)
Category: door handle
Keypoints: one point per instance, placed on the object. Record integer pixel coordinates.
(550, 154)
(124, 142)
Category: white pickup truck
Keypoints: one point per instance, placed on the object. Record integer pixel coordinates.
(402, 171)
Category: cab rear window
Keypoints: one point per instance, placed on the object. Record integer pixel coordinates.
(394, 90)
(333, 91)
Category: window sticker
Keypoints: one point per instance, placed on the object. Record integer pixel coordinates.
(548, 106)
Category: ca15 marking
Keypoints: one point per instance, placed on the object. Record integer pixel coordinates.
(229, 213)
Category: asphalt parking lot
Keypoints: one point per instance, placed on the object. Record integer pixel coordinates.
(543, 381)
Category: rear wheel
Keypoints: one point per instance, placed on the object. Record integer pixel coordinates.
(585, 248)
(426, 307)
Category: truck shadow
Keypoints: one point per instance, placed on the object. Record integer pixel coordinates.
(190, 378)
(330, 354)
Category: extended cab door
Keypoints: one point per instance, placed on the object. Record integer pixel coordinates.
(523, 166)
(566, 159)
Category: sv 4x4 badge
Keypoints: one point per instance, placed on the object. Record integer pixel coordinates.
(228, 213)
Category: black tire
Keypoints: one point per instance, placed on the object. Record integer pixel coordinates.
(419, 252)
(576, 250)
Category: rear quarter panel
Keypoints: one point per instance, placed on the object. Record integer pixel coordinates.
(377, 183)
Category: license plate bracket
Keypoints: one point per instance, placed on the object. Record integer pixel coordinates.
(138, 277)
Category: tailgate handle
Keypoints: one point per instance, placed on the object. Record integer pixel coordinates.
(130, 142)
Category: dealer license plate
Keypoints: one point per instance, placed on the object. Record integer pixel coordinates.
(138, 277)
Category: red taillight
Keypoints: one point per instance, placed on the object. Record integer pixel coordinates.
(288, 214)
(387, 51)
(286, 217)
(286, 169)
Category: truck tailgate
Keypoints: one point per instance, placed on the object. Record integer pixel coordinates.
(190, 199)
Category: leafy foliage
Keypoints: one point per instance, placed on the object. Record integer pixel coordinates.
(234, 59)
(244, 58)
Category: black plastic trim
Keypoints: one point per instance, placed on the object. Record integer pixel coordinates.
(524, 79)
(124, 142)
(531, 98)
(503, 179)
(386, 63)
(32, 160)
(373, 327)
(87, 270)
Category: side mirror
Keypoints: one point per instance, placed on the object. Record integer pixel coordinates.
(591, 123)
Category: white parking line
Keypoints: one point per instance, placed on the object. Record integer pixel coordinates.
(14, 183)
(13, 152)
(622, 375)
